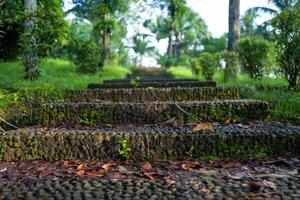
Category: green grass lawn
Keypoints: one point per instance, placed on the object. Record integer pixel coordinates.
(284, 104)
(56, 74)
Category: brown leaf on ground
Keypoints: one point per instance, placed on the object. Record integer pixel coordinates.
(269, 184)
(96, 174)
(205, 190)
(169, 180)
(147, 166)
(151, 175)
(41, 168)
(204, 127)
(80, 167)
(232, 164)
(80, 173)
(107, 166)
(65, 163)
(227, 121)
(185, 167)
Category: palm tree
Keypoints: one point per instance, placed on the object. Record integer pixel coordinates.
(248, 24)
(140, 47)
(280, 5)
(234, 24)
(233, 34)
(30, 55)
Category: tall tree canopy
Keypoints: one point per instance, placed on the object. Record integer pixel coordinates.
(279, 5)
(104, 15)
(184, 29)
(50, 20)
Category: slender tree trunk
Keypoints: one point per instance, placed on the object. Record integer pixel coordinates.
(105, 38)
(233, 35)
(170, 46)
(177, 44)
(172, 30)
(107, 35)
(30, 54)
(234, 24)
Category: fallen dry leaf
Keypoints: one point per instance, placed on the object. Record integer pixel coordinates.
(227, 121)
(80, 167)
(269, 184)
(147, 166)
(151, 175)
(96, 174)
(170, 180)
(80, 173)
(205, 190)
(3, 170)
(185, 167)
(107, 166)
(204, 127)
(232, 164)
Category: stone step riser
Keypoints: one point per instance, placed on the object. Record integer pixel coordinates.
(153, 84)
(149, 79)
(151, 113)
(150, 146)
(154, 94)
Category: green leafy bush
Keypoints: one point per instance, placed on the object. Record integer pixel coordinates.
(231, 60)
(253, 55)
(287, 35)
(86, 55)
(208, 63)
(196, 67)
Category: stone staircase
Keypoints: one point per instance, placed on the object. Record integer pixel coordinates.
(151, 120)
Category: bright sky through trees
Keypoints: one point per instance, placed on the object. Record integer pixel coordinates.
(214, 13)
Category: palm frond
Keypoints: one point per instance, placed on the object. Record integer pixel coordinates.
(264, 10)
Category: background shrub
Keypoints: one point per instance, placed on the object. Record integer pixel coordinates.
(287, 35)
(253, 55)
(208, 63)
(86, 55)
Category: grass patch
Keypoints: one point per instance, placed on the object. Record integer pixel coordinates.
(56, 74)
(284, 105)
(181, 72)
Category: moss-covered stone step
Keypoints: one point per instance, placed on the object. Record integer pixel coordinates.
(154, 84)
(147, 79)
(151, 94)
(56, 114)
(237, 141)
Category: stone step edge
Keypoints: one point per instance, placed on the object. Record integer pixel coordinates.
(97, 113)
(151, 94)
(180, 103)
(33, 144)
(153, 84)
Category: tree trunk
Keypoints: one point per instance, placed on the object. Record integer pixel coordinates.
(170, 46)
(234, 24)
(233, 34)
(30, 54)
(105, 37)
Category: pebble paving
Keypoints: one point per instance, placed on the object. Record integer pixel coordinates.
(259, 182)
